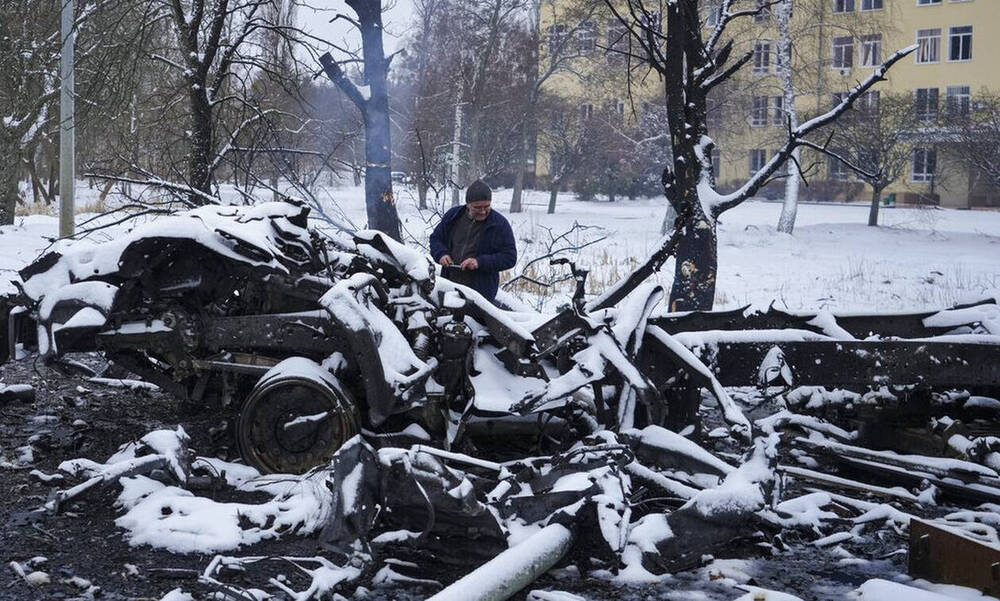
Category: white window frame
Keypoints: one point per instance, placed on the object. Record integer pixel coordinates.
(761, 57)
(925, 112)
(764, 12)
(836, 170)
(928, 2)
(556, 36)
(586, 111)
(843, 53)
(776, 110)
(933, 41)
(871, 5)
(586, 38)
(714, 14)
(844, 6)
(716, 163)
(959, 97)
(952, 35)
(758, 111)
(870, 101)
(757, 153)
(616, 44)
(871, 50)
(923, 175)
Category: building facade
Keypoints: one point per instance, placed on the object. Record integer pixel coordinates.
(836, 44)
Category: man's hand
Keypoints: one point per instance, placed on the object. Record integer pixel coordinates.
(445, 260)
(470, 264)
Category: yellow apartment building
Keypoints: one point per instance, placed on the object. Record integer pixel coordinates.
(836, 43)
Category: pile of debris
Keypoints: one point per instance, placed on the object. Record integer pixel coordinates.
(388, 408)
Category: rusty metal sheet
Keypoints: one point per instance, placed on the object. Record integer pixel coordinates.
(939, 555)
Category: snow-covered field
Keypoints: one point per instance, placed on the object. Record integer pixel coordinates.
(918, 258)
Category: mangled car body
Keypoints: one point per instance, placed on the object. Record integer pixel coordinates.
(461, 419)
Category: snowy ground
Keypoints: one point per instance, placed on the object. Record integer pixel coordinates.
(920, 259)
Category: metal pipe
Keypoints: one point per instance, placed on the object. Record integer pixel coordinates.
(512, 570)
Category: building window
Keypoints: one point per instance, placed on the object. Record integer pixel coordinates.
(957, 100)
(716, 163)
(843, 52)
(763, 11)
(586, 38)
(758, 158)
(556, 36)
(926, 104)
(617, 43)
(928, 45)
(871, 50)
(836, 98)
(586, 111)
(777, 110)
(869, 101)
(714, 14)
(758, 113)
(960, 43)
(871, 4)
(835, 168)
(843, 6)
(762, 56)
(924, 164)
(926, 2)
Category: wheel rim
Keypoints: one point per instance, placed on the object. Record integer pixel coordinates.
(292, 424)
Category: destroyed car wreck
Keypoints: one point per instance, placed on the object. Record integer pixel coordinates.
(386, 406)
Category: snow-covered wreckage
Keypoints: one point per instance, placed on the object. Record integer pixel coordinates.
(409, 409)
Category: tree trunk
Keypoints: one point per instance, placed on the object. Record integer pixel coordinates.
(696, 266)
(422, 193)
(789, 209)
(790, 206)
(9, 168)
(553, 193)
(521, 164)
(873, 211)
(200, 157)
(379, 200)
(696, 260)
(456, 154)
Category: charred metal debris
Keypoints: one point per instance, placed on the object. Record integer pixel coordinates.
(411, 411)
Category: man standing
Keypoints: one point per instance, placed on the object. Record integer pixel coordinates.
(473, 243)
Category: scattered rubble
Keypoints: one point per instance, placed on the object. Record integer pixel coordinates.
(401, 419)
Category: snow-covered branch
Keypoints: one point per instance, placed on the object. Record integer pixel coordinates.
(716, 204)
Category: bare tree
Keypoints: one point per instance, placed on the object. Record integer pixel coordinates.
(107, 33)
(974, 133)
(566, 141)
(373, 102)
(690, 68)
(875, 141)
(571, 35)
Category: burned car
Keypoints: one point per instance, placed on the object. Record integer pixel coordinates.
(347, 353)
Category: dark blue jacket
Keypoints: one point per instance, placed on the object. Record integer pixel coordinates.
(497, 251)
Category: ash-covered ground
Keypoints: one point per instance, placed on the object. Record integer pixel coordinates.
(79, 552)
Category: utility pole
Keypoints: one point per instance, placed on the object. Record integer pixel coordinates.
(67, 123)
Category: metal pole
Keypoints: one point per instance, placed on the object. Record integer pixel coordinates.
(67, 124)
(513, 569)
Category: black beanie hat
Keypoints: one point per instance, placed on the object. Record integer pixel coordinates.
(478, 190)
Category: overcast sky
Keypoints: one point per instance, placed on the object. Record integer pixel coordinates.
(397, 19)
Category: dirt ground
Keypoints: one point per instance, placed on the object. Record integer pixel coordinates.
(71, 417)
